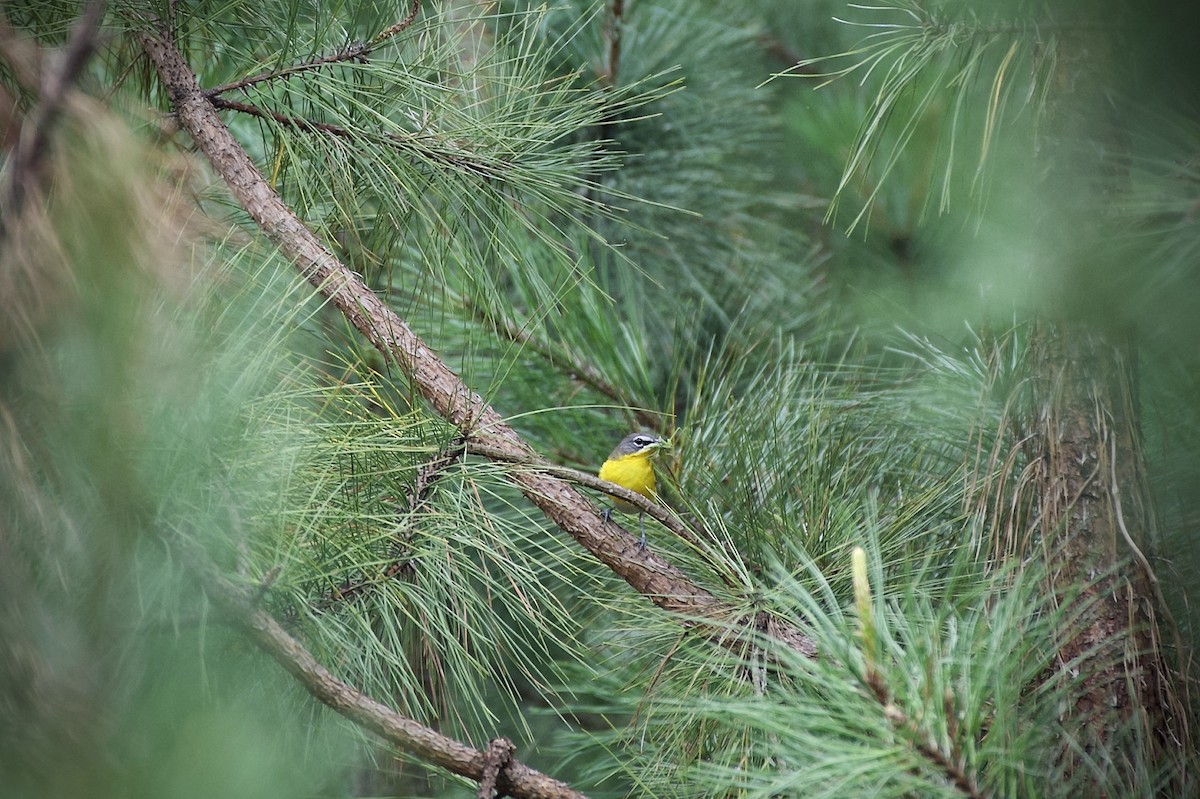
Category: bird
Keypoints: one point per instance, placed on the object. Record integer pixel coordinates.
(631, 466)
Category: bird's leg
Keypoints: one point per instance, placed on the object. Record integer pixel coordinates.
(642, 525)
(607, 515)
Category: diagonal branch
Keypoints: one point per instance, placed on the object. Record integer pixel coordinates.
(515, 778)
(561, 357)
(400, 561)
(300, 123)
(643, 504)
(352, 52)
(471, 165)
(646, 572)
(950, 764)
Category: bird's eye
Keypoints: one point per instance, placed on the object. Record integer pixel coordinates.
(643, 441)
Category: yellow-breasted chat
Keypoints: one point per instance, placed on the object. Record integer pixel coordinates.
(631, 465)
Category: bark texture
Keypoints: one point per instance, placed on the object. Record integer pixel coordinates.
(1086, 442)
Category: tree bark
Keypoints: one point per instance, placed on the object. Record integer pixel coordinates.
(1088, 458)
(1086, 444)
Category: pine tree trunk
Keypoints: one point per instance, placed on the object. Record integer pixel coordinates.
(1090, 500)
(1089, 458)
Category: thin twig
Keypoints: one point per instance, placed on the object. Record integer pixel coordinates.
(558, 357)
(428, 474)
(418, 496)
(299, 123)
(616, 21)
(475, 167)
(352, 52)
(348, 53)
(642, 503)
(388, 33)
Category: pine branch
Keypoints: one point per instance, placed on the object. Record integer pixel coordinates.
(353, 52)
(924, 743)
(646, 572)
(561, 358)
(299, 123)
(401, 563)
(473, 166)
(510, 777)
(616, 21)
(882, 692)
(642, 503)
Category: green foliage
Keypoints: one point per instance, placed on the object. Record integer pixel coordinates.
(123, 422)
(958, 659)
(596, 240)
(944, 81)
(804, 462)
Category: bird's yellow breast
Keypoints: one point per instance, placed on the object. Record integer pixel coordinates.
(635, 472)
